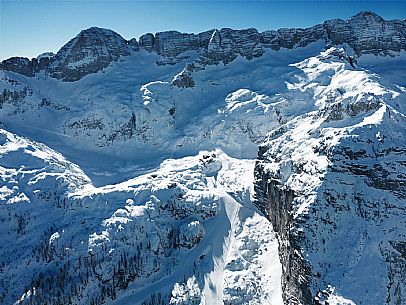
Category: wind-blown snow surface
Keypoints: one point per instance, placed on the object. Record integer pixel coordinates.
(132, 107)
(184, 230)
(343, 168)
(186, 233)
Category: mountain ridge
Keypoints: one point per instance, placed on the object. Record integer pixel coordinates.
(229, 174)
(95, 48)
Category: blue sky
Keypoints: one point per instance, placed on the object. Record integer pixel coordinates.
(29, 28)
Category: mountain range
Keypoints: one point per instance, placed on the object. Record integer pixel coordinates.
(225, 167)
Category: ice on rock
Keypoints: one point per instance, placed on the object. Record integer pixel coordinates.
(215, 42)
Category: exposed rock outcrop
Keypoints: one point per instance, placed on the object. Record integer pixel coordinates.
(89, 52)
(184, 79)
(333, 185)
(275, 201)
(368, 33)
(225, 45)
(94, 49)
(291, 38)
(173, 43)
(20, 65)
(147, 42)
(326, 231)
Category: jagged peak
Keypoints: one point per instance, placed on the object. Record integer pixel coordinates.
(94, 33)
(368, 15)
(215, 33)
(147, 42)
(96, 44)
(90, 51)
(91, 38)
(97, 31)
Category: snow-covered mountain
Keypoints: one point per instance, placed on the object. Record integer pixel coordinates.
(226, 167)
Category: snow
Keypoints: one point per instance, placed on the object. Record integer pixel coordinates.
(54, 237)
(144, 188)
(250, 268)
(193, 198)
(18, 199)
(125, 111)
(326, 157)
(211, 241)
(187, 293)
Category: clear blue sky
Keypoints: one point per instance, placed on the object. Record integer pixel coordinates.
(29, 28)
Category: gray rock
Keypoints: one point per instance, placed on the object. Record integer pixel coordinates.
(291, 38)
(19, 65)
(16, 98)
(184, 79)
(147, 42)
(214, 44)
(134, 44)
(225, 45)
(94, 49)
(173, 43)
(89, 52)
(275, 201)
(368, 33)
(361, 193)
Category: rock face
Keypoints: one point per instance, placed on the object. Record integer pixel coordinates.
(94, 49)
(276, 202)
(330, 172)
(147, 42)
(368, 33)
(89, 52)
(290, 38)
(173, 43)
(333, 185)
(225, 45)
(20, 65)
(184, 79)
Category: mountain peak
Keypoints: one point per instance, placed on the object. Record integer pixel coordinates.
(95, 29)
(93, 38)
(90, 51)
(94, 33)
(368, 17)
(93, 49)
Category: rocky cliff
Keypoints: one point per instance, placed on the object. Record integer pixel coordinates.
(94, 49)
(367, 33)
(89, 52)
(333, 185)
(323, 124)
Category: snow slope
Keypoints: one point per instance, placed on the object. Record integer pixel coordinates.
(333, 185)
(154, 235)
(241, 171)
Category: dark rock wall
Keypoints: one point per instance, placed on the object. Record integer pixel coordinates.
(357, 216)
(275, 202)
